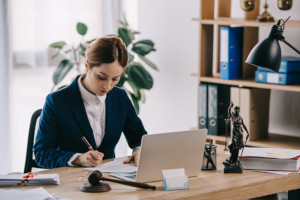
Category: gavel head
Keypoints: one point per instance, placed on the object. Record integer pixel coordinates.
(95, 177)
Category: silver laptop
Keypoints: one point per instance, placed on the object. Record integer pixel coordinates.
(169, 151)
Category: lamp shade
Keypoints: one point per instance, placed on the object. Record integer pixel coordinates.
(266, 54)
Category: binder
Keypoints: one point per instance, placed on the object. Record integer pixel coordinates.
(288, 64)
(277, 78)
(218, 102)
(202, 112)
(231, 52)
(254, 109)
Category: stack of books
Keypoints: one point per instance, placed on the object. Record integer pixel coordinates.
(29, 179)
(271, 159)
(289, 72)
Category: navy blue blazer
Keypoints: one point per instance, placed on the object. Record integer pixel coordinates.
(64, 121)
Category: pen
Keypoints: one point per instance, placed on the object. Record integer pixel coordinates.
(87, 143)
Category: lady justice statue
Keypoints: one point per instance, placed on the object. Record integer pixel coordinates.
(233, 165)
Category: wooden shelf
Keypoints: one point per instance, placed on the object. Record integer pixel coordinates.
(272, 141)
(247, 23)
(249, 83)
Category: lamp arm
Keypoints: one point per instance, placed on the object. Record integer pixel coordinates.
(286, 42)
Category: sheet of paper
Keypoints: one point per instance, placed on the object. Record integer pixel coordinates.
(116, 165)
(31, 194)
(277, 172)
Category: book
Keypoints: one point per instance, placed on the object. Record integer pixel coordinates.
(218, 103)
(288, 64)
(254, 109)
(29, 179)
(277, 78)
(202, 99)
(271, 159)
(231, 52)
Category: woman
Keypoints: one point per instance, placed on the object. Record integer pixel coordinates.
(91, 107)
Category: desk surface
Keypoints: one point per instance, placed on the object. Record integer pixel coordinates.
(208, 185)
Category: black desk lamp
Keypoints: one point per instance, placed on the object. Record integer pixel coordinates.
(267, 53)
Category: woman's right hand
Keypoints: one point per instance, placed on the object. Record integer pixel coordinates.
(89, 159)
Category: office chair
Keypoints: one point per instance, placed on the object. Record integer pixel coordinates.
(30, 161)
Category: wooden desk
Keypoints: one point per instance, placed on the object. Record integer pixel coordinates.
(208, 185)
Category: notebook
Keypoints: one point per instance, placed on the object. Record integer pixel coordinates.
(168, 151)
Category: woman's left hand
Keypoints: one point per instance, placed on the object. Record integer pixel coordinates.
(134, 157)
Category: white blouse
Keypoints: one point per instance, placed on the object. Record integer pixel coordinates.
(95, 109)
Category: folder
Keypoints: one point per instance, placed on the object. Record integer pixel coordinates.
(231, 52)
(288, 64)
(254, 109)
(202, 112)
(277, 78)
(218, 102)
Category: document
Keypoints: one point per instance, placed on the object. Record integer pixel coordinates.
(31, 194)
(29, 179)
(116, 165)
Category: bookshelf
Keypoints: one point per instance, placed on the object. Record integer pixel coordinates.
(213, 15)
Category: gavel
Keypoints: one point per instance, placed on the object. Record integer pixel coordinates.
(96, 176)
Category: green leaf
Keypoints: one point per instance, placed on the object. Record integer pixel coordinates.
(136, 89)
(135, 102)
(61, 71)
(61, 87)
(121, 81)
(68, 51)
(90, 41)
(131, 57)
(56, 54)
(123, 23)
(148, 62)
(137, 74)
(83, 47)
(143, 47)
(125, 35)
(81, 28)
(58, 45)
(143, 96)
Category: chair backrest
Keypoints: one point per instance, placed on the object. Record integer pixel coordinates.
(30, 161)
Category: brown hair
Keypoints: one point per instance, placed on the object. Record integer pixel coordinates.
(106, 50)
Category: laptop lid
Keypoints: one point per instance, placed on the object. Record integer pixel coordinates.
(171, 151)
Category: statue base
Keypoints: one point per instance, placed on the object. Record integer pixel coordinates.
(232, 168)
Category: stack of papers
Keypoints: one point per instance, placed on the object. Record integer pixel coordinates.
(24, 179)
(271, 159)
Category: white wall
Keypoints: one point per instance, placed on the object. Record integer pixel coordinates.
(171, 105)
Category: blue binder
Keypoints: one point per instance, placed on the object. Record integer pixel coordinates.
(202, 105)
(231, 52)
(277, 78)
(218, 103)
(288, 64)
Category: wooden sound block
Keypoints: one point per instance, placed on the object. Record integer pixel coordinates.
(100, 187)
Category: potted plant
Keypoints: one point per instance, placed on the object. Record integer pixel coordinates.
(135, 78)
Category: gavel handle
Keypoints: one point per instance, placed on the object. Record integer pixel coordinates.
(130, 183)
